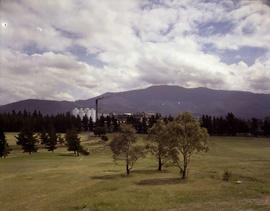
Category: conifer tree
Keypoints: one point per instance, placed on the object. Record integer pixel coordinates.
(85, 123)
(27, 140)
(43, 136)
(52, 139)
(60, 139)
(4, 147)
(73, 141)
(91, 124)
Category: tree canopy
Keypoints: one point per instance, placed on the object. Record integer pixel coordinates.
(186, 136)
(158, 143)
(124, 148)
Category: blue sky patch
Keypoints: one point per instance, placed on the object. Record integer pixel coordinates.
(247, 54)
(212, 28)
(32, 48)
(81, 53)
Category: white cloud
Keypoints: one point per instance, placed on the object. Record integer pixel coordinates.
(139, 45)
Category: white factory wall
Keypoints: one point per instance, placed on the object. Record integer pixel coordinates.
(81, 112)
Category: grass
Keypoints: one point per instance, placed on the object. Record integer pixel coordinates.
(60, 181)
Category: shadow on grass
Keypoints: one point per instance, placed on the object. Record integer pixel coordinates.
(107, 177)
(148, 171)
(160, 181)
(67, 155)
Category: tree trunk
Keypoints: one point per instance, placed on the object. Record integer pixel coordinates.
(127, 169)
(159, 163)
(184, 173)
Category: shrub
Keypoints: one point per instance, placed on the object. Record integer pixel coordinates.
(98, 131)
(104, 138)
(226, 175)
(83, 151)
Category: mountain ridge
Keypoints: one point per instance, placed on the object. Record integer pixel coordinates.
(164, 99)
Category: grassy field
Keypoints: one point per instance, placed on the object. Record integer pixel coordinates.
(60, 181)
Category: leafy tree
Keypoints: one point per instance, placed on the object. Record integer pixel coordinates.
(158, 145)
(124, 148)
(27, 140)
(73, 141)
(4, 147)
(185, 136)
(52, 139)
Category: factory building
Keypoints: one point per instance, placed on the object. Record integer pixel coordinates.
(81, 112)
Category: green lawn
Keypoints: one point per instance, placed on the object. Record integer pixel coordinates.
(60, 181)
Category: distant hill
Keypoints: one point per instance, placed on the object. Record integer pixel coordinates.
(163, 99)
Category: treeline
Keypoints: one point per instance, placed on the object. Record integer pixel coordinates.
(230, 125)
(16, 121)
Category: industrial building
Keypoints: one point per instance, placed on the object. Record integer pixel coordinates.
(81, 112)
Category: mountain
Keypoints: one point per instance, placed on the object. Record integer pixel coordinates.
(44, 106)
(163, 99)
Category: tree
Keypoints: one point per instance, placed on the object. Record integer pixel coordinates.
(60, 139)
(73, 141)
(124, 148)
(52, 139)
(27, 140)
(85, 123)
(185, 136)
(158, 145)
(4, 147)
(98, 131)
(43, 136)
(231, 124)
(266, 126)
(91, 124)
(254, 129)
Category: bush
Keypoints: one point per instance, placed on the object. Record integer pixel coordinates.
(104, 138)
(83, 151)
(98, 131)
(226, 175)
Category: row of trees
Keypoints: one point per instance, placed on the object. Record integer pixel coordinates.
(29, 141)
(16, 121)
(172, 143)
(231, 125)
(228, 125)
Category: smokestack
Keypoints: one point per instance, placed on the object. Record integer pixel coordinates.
(96, 109)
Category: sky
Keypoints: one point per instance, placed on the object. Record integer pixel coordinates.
(75, 49)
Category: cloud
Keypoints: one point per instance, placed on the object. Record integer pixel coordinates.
(78, 49)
